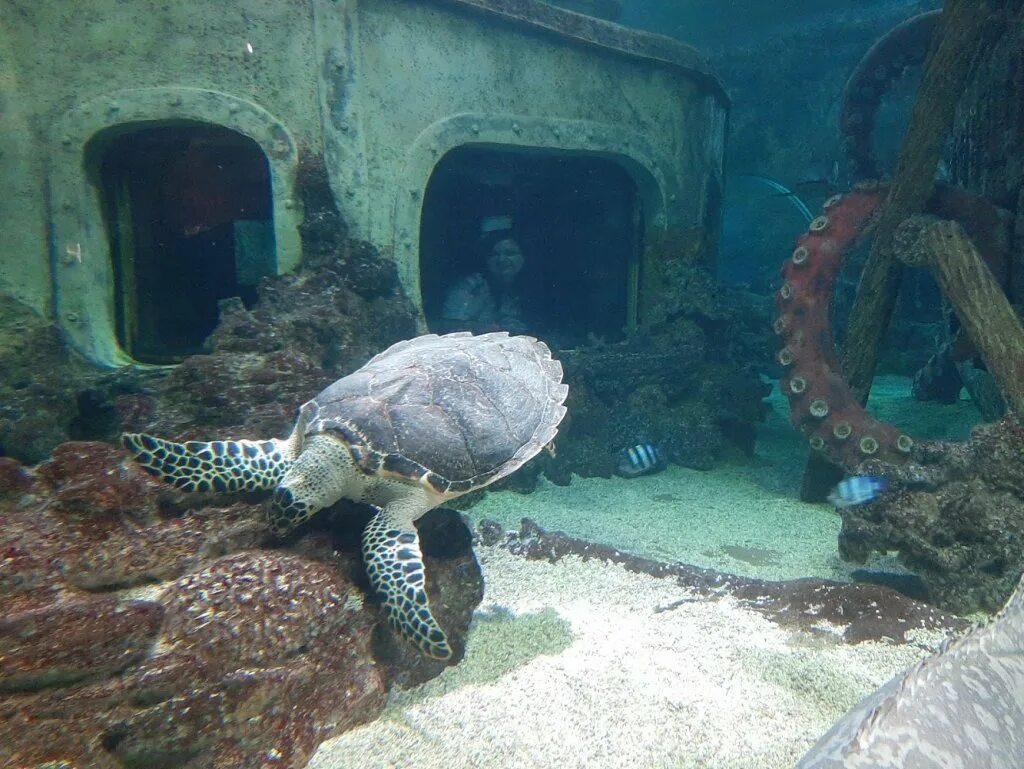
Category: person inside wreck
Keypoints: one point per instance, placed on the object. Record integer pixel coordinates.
(491, 300)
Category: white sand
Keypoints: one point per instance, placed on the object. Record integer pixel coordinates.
(681, 515)
(743, 517)
(569, 665)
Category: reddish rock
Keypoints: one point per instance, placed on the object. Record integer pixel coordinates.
(91, 478)
(98, 522)
(307, 597)
(135, 412)
(245, 656)
(261, 651)
(259, 654)
(40, 728)
(15, 479)
(123, 552)
(956, 519)
(72, 639)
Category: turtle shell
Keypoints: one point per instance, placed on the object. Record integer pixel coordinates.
(456, 411)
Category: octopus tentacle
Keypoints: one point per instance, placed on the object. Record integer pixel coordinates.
(822, 405)
(904, 47)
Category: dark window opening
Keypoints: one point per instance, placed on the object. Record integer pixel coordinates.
(189, 214)
(577, 221)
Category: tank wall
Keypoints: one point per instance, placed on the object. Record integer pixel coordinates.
(58, 57)
(382, 88)
(432, 76)
(24, 262)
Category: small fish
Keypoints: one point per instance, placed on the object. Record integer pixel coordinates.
(639, 459)
(856, 490)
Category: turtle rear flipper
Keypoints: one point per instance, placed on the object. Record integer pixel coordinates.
(212, 465)
(394, 564)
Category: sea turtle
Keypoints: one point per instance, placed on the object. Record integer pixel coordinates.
(421, 423)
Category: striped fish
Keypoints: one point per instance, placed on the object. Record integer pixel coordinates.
(638, 460)
(857, 490)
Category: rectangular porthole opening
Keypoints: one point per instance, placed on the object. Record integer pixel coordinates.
(577, 220)
(189, 217)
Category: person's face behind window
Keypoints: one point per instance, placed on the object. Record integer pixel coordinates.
(505, 260)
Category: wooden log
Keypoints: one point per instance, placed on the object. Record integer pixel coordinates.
(962, 28)
(978, 299)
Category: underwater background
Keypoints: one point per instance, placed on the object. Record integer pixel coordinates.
(733, 448)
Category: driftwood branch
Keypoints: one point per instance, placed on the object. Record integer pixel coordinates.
(969, 285)
(961, 30)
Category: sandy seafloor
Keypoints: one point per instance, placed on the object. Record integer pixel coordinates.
(582, 664)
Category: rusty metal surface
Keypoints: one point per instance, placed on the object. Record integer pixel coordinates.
(603, 34)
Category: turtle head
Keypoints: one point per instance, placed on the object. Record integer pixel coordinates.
(322, 474)
(287, 510)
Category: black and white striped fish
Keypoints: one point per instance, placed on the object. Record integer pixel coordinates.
(638, 460)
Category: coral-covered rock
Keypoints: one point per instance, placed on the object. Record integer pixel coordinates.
(15, 480)
(240, 395)
(260, 653)
(222, 597)
(73, 638)
(687, 382)
(40, 378)
(140, 626)
(667, 387)
(96, 521)
(956, 518)
(90, 478)
(135, 411)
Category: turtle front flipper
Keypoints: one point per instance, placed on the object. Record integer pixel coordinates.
(394, 563)
(212, 465)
